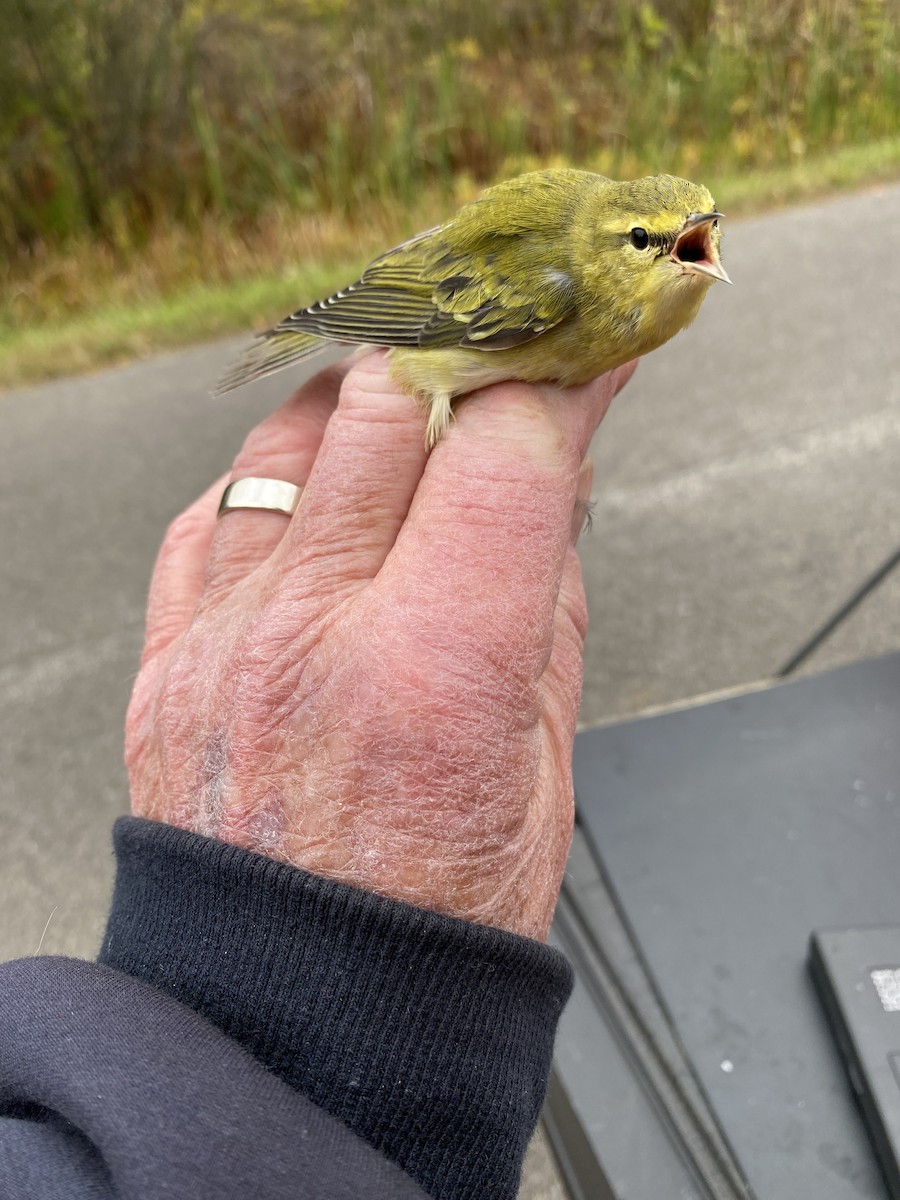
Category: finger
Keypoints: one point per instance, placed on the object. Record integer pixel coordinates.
(561, 682)
(177, 581)
(360, 489)
(565, 667)
(489, 527)
(283, 446)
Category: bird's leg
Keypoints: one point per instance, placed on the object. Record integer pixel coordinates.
(439, 413)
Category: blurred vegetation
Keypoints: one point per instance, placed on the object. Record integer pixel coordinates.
(147, 149)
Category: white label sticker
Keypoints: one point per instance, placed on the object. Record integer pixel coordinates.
(887, 985)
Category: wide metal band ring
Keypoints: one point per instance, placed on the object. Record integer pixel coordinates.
(272, 495)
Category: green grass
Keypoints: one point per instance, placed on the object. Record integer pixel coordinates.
(262, 289)
(118, 118)
(115, 334)
(821, 175)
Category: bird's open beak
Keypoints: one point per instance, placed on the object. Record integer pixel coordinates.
(694, 249)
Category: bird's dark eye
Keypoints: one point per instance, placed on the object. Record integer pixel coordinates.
(640, 238)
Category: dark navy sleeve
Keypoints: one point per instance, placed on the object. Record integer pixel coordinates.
(110, 1088)
(257, 1013)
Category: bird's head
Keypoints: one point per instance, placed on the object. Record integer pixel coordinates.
(656, 245)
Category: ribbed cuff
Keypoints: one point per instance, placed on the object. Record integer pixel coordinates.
(430, 1037)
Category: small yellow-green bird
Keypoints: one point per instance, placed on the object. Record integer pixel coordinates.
(555, 276)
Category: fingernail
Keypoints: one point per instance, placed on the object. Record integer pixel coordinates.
(581, 516)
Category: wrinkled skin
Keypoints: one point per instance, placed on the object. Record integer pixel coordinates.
(383, 689)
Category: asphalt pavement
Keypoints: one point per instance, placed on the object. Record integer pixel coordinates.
(746, 482)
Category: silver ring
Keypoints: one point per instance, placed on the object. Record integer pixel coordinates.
(274, 495)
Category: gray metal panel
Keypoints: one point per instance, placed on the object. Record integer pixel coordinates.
(624, 1115)
(729, 832)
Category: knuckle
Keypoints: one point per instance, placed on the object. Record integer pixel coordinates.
(286, 442)
(263, 452)
(369, 397)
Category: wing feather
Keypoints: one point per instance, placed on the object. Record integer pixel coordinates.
(267, 355)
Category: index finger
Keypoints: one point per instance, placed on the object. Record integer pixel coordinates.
(486, 535)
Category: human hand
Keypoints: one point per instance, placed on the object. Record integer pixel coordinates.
(384, 688)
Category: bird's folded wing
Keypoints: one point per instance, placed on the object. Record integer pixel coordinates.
(431, 292)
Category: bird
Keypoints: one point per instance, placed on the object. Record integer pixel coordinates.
(553, 276)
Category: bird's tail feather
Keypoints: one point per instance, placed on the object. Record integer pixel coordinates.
(276, 349)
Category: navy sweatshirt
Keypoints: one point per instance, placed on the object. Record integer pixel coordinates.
(254, 1031)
